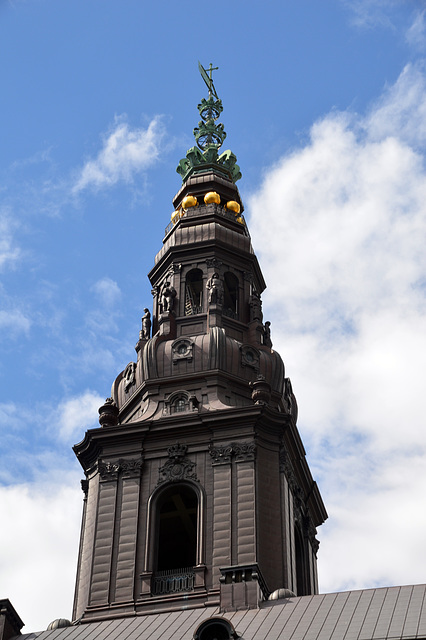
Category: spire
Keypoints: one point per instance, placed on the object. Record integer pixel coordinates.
(209, 136)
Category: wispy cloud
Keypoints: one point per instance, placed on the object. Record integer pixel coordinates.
(125, 152)
(76, 415)
(107, 291)
(340, 226)
(416, 34)
(9, 251)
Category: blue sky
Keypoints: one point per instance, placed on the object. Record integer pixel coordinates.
(324, 106)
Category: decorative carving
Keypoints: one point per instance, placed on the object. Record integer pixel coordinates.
(130, 468)
(250, 357)
(248, 276)
(286, 467)
(182, 349)
(213, 263)
(267, 334)
(255, 304)
(290, 398)
(129, 376)
(215, 287)
(244, 451)
(108, 413)
(146, 325)
(167, 297)
(178, 467)
(221, 454)
(241, 451)
(85, 487)
(261, 393)
(108, 470)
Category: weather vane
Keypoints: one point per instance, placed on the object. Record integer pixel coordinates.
(207, 77)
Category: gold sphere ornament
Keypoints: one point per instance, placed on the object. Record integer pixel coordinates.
(189, 201)
(212, 196)
(175, 216)
(240, 220)
(233, 206)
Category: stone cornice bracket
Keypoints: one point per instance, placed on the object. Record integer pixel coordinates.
(178, 467)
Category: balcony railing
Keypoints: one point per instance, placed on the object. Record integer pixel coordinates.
(173, 581)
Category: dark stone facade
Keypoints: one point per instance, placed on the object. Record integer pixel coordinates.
(198, 461)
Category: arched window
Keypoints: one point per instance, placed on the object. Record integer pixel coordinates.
(194, 292)
(230, 299)
(177, 528)
(215, 629)
(301, 589)
(180, 405)
(175, 538)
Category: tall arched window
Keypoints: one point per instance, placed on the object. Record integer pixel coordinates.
(230, 299)
(194, 292)
(177, 528)
(301, 587)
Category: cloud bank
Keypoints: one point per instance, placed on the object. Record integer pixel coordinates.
(340, 229)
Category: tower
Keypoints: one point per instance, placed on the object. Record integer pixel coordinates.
(197, 490)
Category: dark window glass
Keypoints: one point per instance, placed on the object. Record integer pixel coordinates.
(177, 528)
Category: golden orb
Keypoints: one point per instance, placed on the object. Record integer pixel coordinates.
(233, 206)
(240, 220)
(175, 216)
(189, 201)
(212, 196)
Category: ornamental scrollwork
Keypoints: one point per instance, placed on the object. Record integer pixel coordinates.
(129, 468)
(239, 451)
(178, 467)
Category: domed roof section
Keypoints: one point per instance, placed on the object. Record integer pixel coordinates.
(213, 368)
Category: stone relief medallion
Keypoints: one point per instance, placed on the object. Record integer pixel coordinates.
(182, 349)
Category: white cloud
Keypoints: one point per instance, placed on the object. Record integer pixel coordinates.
(340, 229)
(47, 557)
(13, 322)
(76, 415)
(107, 291)
(125, 152)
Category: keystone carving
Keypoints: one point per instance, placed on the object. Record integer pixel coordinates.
(178, 466)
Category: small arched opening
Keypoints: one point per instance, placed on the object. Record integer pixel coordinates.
(230, 295)
(194, 292)
(215, 629)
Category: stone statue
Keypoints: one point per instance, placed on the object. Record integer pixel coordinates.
(215, 287)
(167, 298)
(267, 334)
(146, 325)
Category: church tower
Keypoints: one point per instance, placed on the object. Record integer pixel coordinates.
(197, 491)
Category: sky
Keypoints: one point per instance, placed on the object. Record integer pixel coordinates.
(325, 108)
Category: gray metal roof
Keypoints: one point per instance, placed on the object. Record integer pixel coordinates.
(388, 613)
